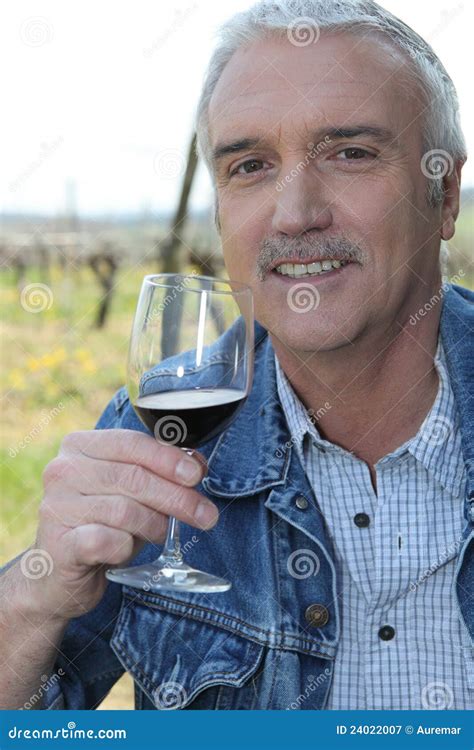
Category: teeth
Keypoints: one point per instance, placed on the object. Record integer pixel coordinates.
(300, 269)
(296, 270)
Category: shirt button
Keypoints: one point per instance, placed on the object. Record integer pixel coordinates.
(316, 615)
(301, 502)
(361, 520)
(386, 633)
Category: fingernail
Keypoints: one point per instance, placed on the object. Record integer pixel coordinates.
(206, 514)
(188, 471)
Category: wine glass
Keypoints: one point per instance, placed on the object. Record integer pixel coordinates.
(190, 369)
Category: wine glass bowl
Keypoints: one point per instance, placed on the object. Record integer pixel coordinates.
(190, 369)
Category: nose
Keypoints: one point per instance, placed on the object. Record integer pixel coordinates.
(300, 204)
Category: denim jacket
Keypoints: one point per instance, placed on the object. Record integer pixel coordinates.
(256, 646)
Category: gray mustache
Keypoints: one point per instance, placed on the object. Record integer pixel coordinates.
(319, 248)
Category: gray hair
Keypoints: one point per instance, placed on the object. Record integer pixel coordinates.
(443, 141)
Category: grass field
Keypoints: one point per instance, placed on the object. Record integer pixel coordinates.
(57, 375)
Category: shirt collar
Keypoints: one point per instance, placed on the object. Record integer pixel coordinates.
(436, 445)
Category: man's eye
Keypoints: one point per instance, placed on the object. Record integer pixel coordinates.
(247, 167)
(350, 154)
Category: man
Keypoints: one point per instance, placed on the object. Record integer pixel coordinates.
(339, 498)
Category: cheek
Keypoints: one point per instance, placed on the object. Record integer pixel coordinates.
(242, 231)
(384, 218)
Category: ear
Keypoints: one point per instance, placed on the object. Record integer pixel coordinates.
(450, 205)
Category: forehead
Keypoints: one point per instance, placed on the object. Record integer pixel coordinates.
(340, 78)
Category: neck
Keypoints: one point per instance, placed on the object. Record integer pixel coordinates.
(373, 394)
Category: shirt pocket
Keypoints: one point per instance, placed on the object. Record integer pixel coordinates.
(180, 663)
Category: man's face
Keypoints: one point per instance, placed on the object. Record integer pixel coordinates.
(358, 194)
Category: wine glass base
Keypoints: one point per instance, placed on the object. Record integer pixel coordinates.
(156, 577)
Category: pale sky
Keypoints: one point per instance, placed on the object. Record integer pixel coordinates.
(103, 94)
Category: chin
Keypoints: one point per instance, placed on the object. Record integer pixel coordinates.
(309, 334)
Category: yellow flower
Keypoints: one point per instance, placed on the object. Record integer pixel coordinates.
(89, 366)
(51, 389)
(33, 364)
(82, 355)
(17, 379)
(60, 355)
(47, 360)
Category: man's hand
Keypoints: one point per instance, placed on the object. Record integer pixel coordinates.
(107, 493)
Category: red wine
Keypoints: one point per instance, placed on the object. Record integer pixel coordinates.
(189, 418)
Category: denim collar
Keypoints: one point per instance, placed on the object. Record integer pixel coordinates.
(258, 432)
(253, 454)
(457, 333)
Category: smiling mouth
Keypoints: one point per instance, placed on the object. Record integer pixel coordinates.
(313, 268)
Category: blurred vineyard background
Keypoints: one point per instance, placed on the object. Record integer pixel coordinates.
(68, 294)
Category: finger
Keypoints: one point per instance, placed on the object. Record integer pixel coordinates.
(133, 447)
(112, 478)
(94, 544)
(116, 511)
(138, 545)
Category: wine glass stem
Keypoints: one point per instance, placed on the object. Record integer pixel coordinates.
(171, 553)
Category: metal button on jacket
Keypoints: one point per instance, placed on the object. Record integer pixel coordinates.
(316, 615)
(301, 502)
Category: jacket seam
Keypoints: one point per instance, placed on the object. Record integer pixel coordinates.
(277, 647)
(98, 678)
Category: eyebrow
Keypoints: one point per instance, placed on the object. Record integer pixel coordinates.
(377, 133)
(383, 135)
(243, 144)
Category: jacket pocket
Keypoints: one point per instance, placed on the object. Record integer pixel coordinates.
(178, 662)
